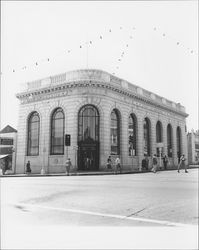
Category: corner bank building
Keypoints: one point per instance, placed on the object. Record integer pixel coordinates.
(104, 115)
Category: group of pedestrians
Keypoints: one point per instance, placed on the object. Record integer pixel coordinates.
(145, 163)
(155, 162)
(118, 169)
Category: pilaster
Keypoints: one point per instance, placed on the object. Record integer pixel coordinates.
(153, 137)
(184, 142)
(140, 142)
(164, 138)
(174, 145)
(44, 138)
(124, 138)
(105, 137)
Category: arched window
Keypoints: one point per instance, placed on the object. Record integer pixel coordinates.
(115, 133)
(88, 138)
(57, 132)
(33, 134)
(88, 124)
(132, 133)
(158, 132)
(178, 137)
(169, 140)
(146, 137)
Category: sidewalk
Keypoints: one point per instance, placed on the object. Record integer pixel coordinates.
(83, 173)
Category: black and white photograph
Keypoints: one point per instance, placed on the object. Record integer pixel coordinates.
(99, 135)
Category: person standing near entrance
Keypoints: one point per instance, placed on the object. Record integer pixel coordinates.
(28, 169)
(155, 163)
(182, 163)
(109, 163)
(68, 166)
(165, 161)
(87, 163)
(145, 163)
(117, 165)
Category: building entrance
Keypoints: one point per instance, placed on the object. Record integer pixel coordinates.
(88, 157)
(88, 138)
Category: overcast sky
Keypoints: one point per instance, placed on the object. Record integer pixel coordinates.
(159, 40)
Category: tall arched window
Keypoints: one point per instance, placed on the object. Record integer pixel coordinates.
(88, 123)
(169, 140)
(178, 137)
(132, 133)
(33, 134)
(88, 138)
(115, 133)
(146, 137)
(57, 132)
(158, 132)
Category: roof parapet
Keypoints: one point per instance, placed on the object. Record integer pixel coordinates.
(99, 75)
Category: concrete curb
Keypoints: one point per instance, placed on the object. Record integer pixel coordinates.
(91, 173)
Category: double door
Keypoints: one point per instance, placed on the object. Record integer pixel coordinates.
(88, 157)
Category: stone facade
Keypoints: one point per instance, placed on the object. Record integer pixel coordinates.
(193, 147)
(72, 90)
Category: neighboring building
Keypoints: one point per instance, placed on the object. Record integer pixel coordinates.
(8, 142)
(193, 147)
(104, 115)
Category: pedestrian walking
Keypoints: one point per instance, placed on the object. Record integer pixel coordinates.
(165, 161)
(68, 166)
(117, 165)
(28, 169)
(145, 163)
(155, 163)
(109, 163)
(182, 164)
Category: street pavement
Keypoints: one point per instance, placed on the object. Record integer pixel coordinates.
(123, 205)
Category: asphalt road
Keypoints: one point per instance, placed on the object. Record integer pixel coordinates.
(159, 202)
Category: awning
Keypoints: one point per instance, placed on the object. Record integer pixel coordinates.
(3, 156)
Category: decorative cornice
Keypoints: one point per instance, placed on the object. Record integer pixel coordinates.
(63, 89)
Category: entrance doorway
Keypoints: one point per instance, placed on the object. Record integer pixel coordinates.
(88, 138)
(88, 156)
